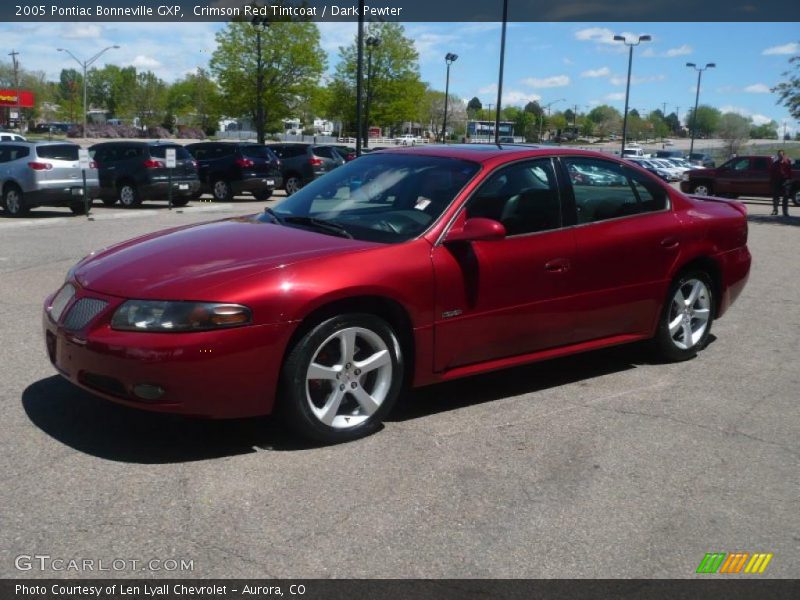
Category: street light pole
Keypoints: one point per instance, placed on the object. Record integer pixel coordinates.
(85, 65)
(359, 73)
(13, 54)
(260, 24)
(621, 38)
(449, 58)
(500, 76)
(372, 42)
(697, 100)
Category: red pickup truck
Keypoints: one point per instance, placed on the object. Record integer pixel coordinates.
(740, 176)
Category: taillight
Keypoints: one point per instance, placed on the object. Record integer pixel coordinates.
(154, 164)
(315, 161)
(40, 166)
(244, 162)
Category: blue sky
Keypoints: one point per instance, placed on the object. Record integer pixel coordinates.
(544, 61)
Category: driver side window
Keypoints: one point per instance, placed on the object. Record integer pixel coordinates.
(523, 197)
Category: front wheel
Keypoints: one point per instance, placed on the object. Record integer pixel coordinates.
(129, 195)
(221, 191)
(13, 201)
(342, 378)
(78, 207)
(293, 184)
(701, 189)
(687, 316)
(181, 201)
(263, 195)
(796, 197)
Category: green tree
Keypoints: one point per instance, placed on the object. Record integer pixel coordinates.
(397, 91)
(673, 122)
(473, 106)
(606, 120)
(70, 94)
(735, 130)
(149, 96)
(195, 101)
(765, 131)
(292, 63)
(789, 91)
(707, 120)
(111, 89)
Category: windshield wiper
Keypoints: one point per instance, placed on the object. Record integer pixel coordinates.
(275, 217)
(329, 226)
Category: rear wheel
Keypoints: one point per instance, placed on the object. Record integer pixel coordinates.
(293, 184)
(702, 189)
(222, 191)
(686, 318)
(78, 207)
(341, 378)
(13, 201)
(181, 201)
(796, 197)
(263, 195)
(129, 195)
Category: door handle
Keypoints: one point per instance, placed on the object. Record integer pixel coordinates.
(670, 243)
(557, 265)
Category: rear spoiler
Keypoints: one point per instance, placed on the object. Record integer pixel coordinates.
(734, 203)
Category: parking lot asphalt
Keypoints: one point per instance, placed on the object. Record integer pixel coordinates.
(601, 465)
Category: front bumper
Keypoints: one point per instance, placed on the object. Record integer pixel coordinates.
(228, 373)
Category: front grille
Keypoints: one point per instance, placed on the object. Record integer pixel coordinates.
(83, 311)
(61, 300)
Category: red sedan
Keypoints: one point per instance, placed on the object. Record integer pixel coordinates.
(403, 268)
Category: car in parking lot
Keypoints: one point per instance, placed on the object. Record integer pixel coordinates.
(43, 174)
(10, 136)
(302, 163)
(227, 169)
(403, 268)
(702, 159)
(133, 171)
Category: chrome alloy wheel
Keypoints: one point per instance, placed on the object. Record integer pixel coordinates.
(127, 195)
(292, 185)
(349, 377)
(13, 202)
(701, 190)
(221, 190)
(689, 314)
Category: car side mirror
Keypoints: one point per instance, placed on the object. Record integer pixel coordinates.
(477, 229)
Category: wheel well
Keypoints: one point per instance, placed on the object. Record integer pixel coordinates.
(293, 174)
(10, 184)
(709, 266)
(123, 180)
(385, 308)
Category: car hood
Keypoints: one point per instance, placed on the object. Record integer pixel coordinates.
(193, 262)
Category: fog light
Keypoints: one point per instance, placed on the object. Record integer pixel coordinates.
(148, 392)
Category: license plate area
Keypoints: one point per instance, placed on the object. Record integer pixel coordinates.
(76, 191)
(183, 186)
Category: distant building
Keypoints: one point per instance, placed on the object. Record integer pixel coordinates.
(485, 129)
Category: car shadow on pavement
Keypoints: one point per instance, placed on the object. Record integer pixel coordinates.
(519, 380)
(791, 220)
(101, 428)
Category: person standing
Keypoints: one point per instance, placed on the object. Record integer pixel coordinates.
(780, 174)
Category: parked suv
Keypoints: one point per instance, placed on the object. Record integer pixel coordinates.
(43, 174)
(701, 159)
(134, 171)
(227, 169)
(303, 163)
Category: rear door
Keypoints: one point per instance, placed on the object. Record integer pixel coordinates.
(627, 242)
(732, 177)
(759, 183)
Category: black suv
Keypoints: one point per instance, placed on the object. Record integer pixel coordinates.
(229, 168)
(303, 163)
(134, 171)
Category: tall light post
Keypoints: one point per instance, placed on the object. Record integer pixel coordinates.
(260, 24)
(500, 75)
(13, 54)
(630, 45)
(547, 108)
(449, 58)
(372, 42)
(359, 73)
(85, 65)
(697, 99)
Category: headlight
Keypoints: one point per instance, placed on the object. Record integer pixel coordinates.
(149, 315)
(685, 177)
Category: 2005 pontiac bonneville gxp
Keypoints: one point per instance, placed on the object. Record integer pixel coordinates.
(403, 268)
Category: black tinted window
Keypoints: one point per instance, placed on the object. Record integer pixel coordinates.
(58, 152)
(288, 151)
(323, 151)
(257, 151)
(523, 197)
(161, 152)
(605, 190)
(17, 152)
(761, 164)
(130, 152)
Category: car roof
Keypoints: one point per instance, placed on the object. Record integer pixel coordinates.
(483, 153)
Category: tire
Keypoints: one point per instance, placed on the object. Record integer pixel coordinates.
(77, 208)
(796, 197)
(128, 195)
(14, 201)
(109, 201)
(221, 190)
(293, 184)
(181, 201)
(360, 367)
(675, 325)
(263, 194)
(702, 189)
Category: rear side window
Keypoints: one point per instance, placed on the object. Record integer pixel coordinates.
(288, 151)
(130, 152)
(256, 151)
(761, 164)
(17, 152)
(323, 151)
(605, 190)
(181, 153)
(58, 152)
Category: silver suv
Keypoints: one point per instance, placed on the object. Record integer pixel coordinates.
(43, 174)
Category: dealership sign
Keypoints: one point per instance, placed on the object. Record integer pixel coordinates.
(22, 98)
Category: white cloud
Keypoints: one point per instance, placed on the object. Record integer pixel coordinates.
(488, 89)
(679, 51)
(519, 98)
(601, 72)
(79, 31)
(620, 80)
(616, 96)
(760, 119)
(790, 48)
(603, 35)
(145, 62)
(547, 82)
(334, 35)
(757, 88)
(567, 61)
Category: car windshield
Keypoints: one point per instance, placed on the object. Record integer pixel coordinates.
(386, 198)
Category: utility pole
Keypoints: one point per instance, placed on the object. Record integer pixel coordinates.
(13, 54)
(359, 74)
(664, 109)
(575, 116)
(500, 74)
